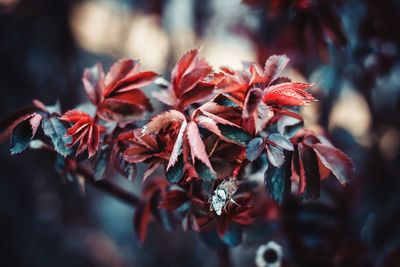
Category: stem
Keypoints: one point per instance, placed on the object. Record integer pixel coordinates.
(109, 187)
(224, 259)
(104, 185)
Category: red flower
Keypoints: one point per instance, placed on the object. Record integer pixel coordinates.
(84, 131)
(117, 95)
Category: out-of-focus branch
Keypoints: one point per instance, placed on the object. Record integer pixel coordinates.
(104, 185)
(109, 187)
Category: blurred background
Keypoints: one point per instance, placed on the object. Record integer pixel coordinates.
(348, 48)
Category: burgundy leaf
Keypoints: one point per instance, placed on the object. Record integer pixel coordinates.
(251, 102)
(309, 173)
(336, 161)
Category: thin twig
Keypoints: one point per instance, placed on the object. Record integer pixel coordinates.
(109, 187)
(104, 185)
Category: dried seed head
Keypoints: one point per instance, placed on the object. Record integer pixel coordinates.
(223, 194)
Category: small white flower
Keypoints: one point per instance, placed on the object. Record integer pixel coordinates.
(269, 255)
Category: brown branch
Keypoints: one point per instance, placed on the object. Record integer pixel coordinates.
(103, 185)
(109, 187)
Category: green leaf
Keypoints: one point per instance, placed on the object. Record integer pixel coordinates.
(277, 180)
(23, 133)
(54, 129)
(280, 140)
(175, 173)
(101, 162)
(204, 171)
(225, 101)
(234, 134)
(21, 137)
(254, 148)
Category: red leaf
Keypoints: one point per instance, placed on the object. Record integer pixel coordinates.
(93, 82)
(137, 154)
(177, 149)
(287, 113)
(262, 117)
(84, 131)
(199, 93)
(163, 120)
(35, 122)
(287, 94)
(188, 75)
(134, 97)
(120, 100)
(119, 71)
(309, 172)
(190, 80)
(335, 160)
(184, 65)
(273, 67)
(136, 81)
(197, 147)
(251, 102)
(119, 111)
(173, 199)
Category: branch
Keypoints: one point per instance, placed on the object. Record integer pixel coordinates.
(103, 185)
(109, 187)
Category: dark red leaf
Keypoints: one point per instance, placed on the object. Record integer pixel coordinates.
(309, 172)
(336, 161)
(251, 102)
